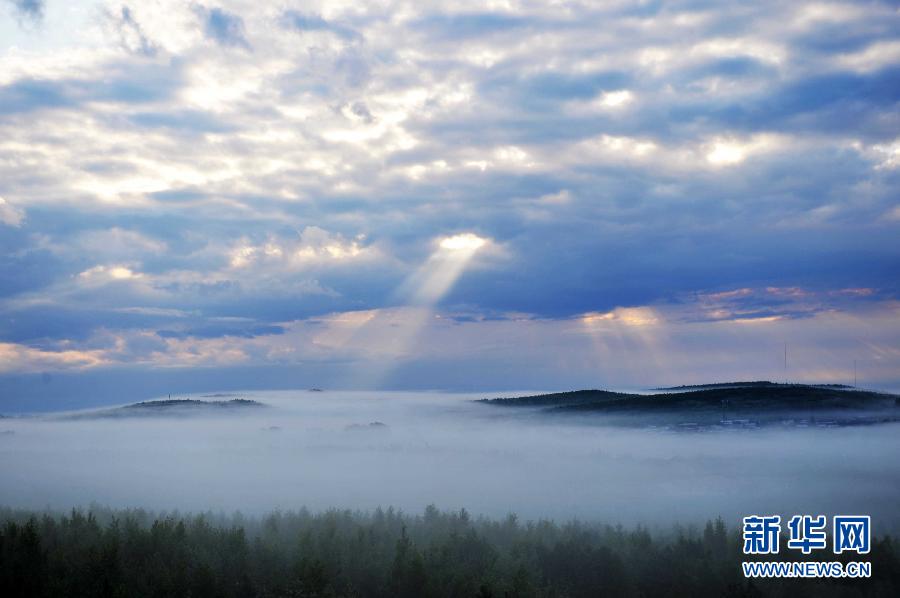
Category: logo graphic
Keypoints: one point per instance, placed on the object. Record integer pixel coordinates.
(807, 533)
(852, 534)
(761, 534)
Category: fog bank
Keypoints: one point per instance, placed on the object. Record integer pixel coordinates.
(317, 449)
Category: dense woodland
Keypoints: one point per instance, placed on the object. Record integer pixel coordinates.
(134, 553)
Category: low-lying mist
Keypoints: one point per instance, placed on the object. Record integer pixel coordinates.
(318, 449)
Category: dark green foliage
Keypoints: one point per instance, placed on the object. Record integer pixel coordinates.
(168, 407)
(385, 553)
(759, 396)
(733, 406)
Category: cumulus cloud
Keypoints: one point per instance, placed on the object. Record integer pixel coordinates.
(313, 246)
(622, 159)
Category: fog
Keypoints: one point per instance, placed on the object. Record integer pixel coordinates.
(316, 449)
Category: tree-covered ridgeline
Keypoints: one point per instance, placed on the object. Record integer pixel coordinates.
(133, 553)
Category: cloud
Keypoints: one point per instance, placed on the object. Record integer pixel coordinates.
(775, 303)
(26, 95)
(22, 359)
(313, 247)
(11, 215)
(142, 84)
(109, 273)
(217, 330)
(470, 25)
(131, 34)
(307, 22)
(624, 347)
(617, 158)
(33, 9)
(224, 27)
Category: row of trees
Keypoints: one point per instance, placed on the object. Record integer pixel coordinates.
(134, 553)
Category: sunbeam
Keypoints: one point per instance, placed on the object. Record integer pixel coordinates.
(394, 331)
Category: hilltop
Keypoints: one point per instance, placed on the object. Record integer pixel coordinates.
(170, 407)
(747, 402)
(756, 383)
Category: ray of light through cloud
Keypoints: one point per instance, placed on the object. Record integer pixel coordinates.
(399, 329)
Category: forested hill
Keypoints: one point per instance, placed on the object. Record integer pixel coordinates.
(759, 383)
(757, 396)
(173, 407)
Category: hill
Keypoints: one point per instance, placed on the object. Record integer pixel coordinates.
(753, 403)
(170, 407)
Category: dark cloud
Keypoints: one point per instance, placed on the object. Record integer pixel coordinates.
(185, 121)
(534, 90)
(131, 35)
(224, 27)
(311, 22)
(23, 271)
(27, 95)
(407, 130)
(245, 330)
(738, 67)
(121, 84)
(32, 9)
(473, 25)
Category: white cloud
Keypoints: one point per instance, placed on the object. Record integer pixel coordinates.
(11, 215)
(615, 99)
(626, 346)
(463, 242)
(176, 168)
(726, 153)
(875, 56)
(104, 273)
(888, 155)
(314, 246)
(17, 358)
(729, 151)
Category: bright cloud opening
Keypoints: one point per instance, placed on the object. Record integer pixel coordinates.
(616, 99)
(110, 273)
(726, 154)
(463, 242)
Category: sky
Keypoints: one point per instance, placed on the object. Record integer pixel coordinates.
(448, 195)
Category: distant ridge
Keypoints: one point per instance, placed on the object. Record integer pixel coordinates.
(755, 383)
(168, 407)
(170, 403)
(715, 404)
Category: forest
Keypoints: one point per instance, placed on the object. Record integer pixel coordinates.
(386, 552)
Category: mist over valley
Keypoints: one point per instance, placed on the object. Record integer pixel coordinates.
(259, 451)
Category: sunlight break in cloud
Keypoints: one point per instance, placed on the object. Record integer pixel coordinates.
(432, 281)
(615, 99)
(729, 151)
(726, 153)
(420, 292)
(98, 273)
(466, 242)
